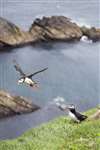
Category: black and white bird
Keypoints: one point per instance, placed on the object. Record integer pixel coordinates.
(75, 115)
(71, 111)
(27, 79)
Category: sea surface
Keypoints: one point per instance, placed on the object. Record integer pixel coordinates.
(73, 68)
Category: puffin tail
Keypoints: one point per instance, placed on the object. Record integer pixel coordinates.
(84, 117)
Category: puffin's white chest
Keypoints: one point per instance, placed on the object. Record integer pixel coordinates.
(28, 81)
(72, 116)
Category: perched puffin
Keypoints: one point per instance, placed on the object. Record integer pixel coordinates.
(75, 115)
(27, 79)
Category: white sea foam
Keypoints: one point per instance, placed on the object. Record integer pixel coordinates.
(85, 39)
(60, 102)
(59, 99)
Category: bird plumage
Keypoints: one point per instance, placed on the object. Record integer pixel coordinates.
(17, 67)
(31, 75)
(71, 111)
(27, 78)
(75, 115)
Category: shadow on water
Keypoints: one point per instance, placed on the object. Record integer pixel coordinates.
(6, 48)
(41, 45)
(9, 48)
(53, 45)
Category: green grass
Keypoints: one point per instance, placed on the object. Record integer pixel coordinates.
(59, 134)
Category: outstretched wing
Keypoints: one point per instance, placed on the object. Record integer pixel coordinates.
(31, 75)
(17, 67)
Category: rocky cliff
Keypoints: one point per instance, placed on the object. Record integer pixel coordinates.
(55, 28)
(12, 35)
(13, 105)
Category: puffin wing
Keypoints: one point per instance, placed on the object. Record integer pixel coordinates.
(31, 75)
(81, 116)
(18, 68)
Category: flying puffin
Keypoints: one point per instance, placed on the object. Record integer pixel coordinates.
(72, 113)
(27, 79)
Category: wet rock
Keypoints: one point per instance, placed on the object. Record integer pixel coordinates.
(92, 33)
(12, 105)
(56, 28)
(1, 44)
(12, 35)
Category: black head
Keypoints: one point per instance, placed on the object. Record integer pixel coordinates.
(71, 107)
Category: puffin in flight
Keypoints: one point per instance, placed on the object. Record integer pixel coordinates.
(27, 79)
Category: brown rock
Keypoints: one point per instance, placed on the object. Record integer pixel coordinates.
(48, 28)
(12, 105)
(56, 28)
(12, 35)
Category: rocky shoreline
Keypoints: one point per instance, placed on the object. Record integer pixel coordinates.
(54, 28)
(15, 105)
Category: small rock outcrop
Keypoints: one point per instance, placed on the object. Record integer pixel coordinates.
(56, 28)
(12, 35)
(92, 33)
(13, 105)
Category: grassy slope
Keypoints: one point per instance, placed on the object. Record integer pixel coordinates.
(60, 134)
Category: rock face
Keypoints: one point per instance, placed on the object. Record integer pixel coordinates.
(11, 35)
(12, 105)
(56, 28)
(92, 33)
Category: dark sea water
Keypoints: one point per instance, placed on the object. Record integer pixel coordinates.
(73, 67)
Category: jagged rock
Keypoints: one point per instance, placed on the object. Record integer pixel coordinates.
(12, 105)
(12, 35)
(92, 33)
(56, 28)
(48, 28)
